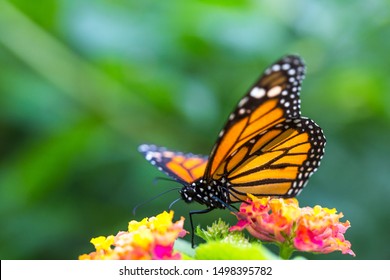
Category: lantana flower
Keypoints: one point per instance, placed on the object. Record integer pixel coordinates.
(292, 228)
(150, 239)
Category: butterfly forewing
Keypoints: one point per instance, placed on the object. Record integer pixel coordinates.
(185, 168)
(271, 100)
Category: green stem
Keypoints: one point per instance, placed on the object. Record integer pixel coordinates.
(285, 251)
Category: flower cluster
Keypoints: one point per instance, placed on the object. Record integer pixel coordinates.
(150, 239)
(292, 228)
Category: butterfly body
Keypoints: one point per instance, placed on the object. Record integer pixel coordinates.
(266, 148)
(213, 194)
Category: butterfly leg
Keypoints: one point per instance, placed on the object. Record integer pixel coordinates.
(224, 204)
(192, 224)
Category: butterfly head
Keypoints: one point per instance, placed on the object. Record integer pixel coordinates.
(188, 193)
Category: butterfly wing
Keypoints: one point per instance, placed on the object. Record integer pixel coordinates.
(266, 148)
(185, 168)
(276, 162)
(271, 100)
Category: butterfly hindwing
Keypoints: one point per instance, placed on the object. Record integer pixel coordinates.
(271, 100)
(277, 162)
(185, 168)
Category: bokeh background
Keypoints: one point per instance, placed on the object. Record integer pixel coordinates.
(84, 82)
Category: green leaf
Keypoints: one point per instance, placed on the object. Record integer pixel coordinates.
(215, 250)
(221, 244)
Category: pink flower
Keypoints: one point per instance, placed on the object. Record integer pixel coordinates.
(268, 219)
(320, 231)
(283, 222)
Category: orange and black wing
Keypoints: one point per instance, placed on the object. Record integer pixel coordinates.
(185, 168)
(271, 100)
(276, 162)
(266, 148)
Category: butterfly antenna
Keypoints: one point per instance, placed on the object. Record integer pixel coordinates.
(173, 202)
(156, 179)
(153, 198)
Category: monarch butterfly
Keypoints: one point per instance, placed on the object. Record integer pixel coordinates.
(266, 147)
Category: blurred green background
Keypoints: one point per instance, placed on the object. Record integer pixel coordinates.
(84, 82)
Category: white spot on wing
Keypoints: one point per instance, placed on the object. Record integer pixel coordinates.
(275, 91)
(291, 72)
(149, 156)
(257, 92)
(243, 101)
(275, 67)
(143, 148)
